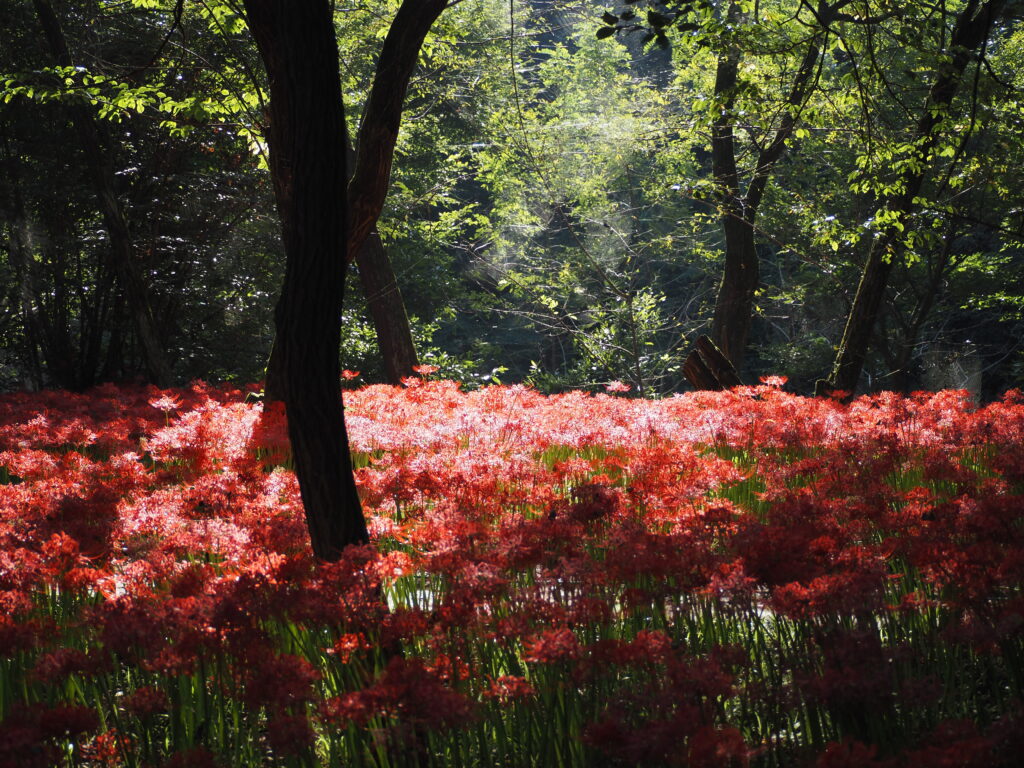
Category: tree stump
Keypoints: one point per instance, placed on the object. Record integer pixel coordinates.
(706, 368)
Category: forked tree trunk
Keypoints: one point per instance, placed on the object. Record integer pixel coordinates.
(122, 252)
(307, 160)
(970, 32)
(734, 307)
(371, 176)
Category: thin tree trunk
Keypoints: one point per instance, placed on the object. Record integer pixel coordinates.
(387, 310)
(969, 33)
(382, 116)
(97, 152)
(384, 299)
(113, 360)
(734, 307)
(33, 322)
(307, 162)
(735, 302)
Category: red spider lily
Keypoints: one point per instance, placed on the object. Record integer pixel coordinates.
(509, 688)
(856, 674)
(552, 646)
(278, 681)
(68, 721)
(145, 702)
(108, 748)
(850, 754)
(18, 636)
(349, 644)
(26, 734)
(406, 691)
(515, 529)
(166, 403)
(193, 757)
(55, 666)
(290, 735)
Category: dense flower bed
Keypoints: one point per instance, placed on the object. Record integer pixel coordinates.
(706, 580)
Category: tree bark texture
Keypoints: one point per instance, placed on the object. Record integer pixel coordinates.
(307, 161)
(96, 147)
(384, 297)
(368, 186)
(734, 306)
(970, 32)
(34, 322)
(706, 368)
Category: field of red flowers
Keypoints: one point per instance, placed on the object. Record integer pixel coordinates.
(740, 578)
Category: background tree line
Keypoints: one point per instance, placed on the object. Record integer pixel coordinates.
(574, 198)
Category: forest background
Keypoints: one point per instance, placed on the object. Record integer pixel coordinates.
(561, 208)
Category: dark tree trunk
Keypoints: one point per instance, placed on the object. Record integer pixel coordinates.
(735, 303)
(708, 369)
(33, 321)
(734, 307)
(113, 362)
(97, 154)
(387, 310)
(307, 161)
(382, 116)
(969, 33)
(368, 187)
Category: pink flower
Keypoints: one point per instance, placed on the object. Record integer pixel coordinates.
(166, 403)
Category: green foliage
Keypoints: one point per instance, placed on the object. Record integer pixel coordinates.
(553, 214)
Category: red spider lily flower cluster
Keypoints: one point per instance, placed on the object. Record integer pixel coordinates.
(712, 579)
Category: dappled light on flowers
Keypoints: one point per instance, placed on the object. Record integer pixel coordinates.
(712, 579)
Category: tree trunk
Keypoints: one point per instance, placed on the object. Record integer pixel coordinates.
(969, 33)
(382, 116)
(33, 321)
(307, 162)
(734, 307)
(706, 368)
(97, 153)
(387, 310)
(368, 186)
